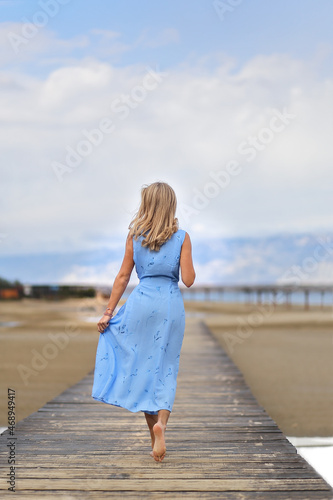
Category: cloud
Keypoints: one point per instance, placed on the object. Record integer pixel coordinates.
(24, 42)
(186, 127)
(243, 261)
(95, 275)
(29, 42)
(323, 274)
(104, 275)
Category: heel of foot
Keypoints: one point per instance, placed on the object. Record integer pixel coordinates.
(158, 430)
(159, 445)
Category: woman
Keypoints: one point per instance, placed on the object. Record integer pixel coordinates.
(137, 357)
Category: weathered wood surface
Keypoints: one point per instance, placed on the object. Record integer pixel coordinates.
(220, 442)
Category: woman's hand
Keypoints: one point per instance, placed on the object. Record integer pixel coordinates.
(103, 323)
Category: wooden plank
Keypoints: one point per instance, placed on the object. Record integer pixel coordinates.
(227, 495)
(161, 484)
(179, 472)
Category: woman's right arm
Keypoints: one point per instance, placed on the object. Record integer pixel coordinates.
(186, 262)
(120, 283)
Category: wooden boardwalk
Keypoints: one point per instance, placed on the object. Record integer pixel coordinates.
(220, 443)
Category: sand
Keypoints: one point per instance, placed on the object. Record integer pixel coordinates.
(286, 358)
(285, 355)
(51, 350)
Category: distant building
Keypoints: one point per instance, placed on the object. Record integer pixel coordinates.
(61, 291)
(27, 290)
(10, 293)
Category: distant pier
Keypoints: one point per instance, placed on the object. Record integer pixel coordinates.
(258, 294)
(275, 294)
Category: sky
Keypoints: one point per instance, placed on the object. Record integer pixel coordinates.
(228, 101)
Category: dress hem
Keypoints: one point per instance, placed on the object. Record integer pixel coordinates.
(150, 412)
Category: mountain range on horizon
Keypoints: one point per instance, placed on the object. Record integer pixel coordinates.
(281, 258)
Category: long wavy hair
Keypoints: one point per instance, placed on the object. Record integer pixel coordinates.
(155, 220)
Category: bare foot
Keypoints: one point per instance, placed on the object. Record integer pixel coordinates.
(159, 445)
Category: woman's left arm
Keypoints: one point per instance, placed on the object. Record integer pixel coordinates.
(120, 283)
(186, 262)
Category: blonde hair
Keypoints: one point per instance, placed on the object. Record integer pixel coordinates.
(155, 219)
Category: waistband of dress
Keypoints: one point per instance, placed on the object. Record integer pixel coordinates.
(161, 279)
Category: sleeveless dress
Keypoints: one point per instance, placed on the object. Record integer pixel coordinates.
(137, 356)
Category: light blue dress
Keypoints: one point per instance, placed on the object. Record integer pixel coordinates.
(137, 356)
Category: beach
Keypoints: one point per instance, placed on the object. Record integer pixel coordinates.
(284, 355)
(51, 348)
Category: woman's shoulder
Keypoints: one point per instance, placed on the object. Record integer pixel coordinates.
(135, 237)
(180, 235)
